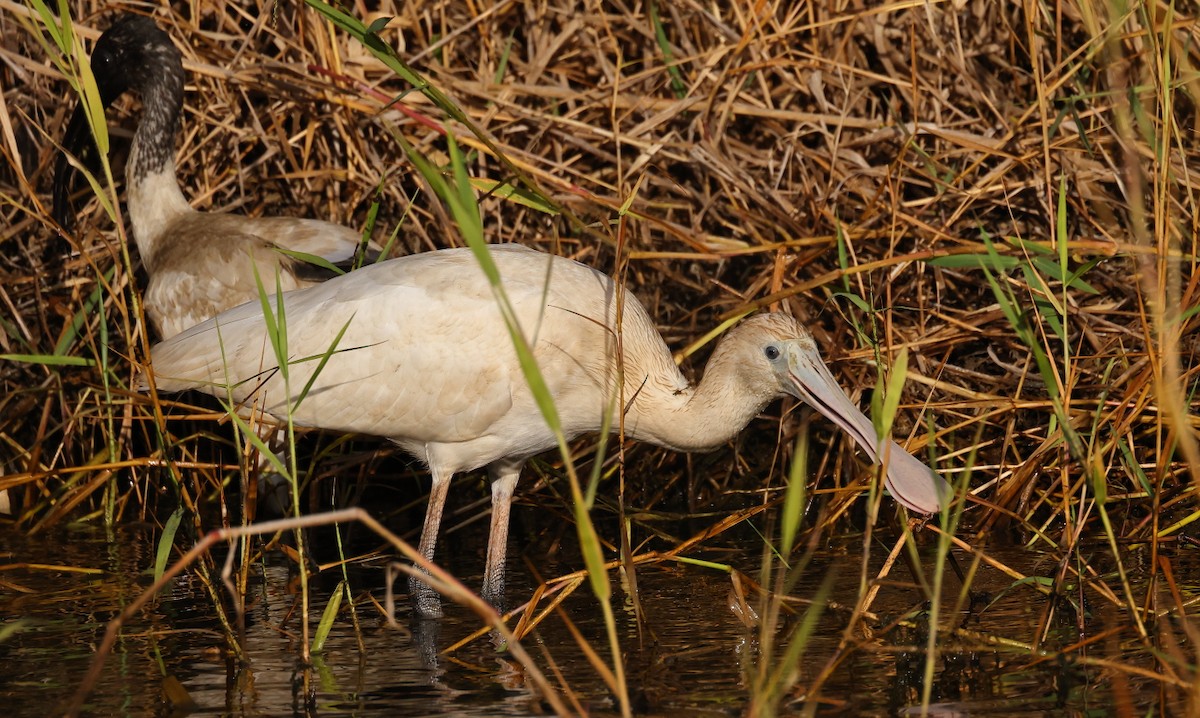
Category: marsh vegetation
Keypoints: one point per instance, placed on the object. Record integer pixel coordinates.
(984, 212)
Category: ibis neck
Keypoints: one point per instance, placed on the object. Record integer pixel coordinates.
(700, 417)
(155, 200)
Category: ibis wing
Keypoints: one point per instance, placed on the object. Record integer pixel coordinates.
(209, 266)
(423, 353)
(331, 242)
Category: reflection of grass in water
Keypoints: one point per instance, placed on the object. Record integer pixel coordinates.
(692, 665)
(775, 141)
(442, 581)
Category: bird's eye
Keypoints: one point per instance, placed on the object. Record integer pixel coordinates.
(772, 352)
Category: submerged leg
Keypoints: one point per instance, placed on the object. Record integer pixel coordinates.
(504, 480)
(428, 602)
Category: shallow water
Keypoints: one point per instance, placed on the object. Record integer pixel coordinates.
(695, 658)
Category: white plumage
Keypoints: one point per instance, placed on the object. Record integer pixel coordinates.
(427, 361)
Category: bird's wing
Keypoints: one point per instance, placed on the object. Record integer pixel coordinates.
(331, 242)
(209, 266)
(424, 355)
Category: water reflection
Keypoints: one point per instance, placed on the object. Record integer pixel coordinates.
(694, 658)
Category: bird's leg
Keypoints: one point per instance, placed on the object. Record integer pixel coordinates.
(504, 480)
(274, 488)
(429, 604)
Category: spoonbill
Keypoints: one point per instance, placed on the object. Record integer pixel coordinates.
(199, 263)
(427, 361)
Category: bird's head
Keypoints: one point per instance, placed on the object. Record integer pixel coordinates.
(779, 356)
(133, 54)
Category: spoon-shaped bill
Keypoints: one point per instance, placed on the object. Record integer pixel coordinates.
(909, 481)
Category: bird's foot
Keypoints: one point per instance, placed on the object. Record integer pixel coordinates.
(427, 601)
(494, 595)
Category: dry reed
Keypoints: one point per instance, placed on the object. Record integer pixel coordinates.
(827, 160)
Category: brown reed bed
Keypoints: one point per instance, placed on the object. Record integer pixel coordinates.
(1002, 190)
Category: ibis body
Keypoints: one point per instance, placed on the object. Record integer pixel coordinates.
(426, 359)
(199, 263)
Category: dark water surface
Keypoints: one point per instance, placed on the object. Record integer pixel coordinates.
(696, 657)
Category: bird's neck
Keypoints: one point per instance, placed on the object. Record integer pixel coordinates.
(154, 197)
(695, 418)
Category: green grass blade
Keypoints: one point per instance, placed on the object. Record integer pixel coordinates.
(166, 541)
(324, 359)
(502, 65)
(48, 359)
(273, 316)
(89, 308)
(794, 497)
(895, 386)
(311, 259)
(519, 195)
(328, 617)
(678, 86)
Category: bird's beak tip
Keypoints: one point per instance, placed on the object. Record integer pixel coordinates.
(915, 485)
(908, 479)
